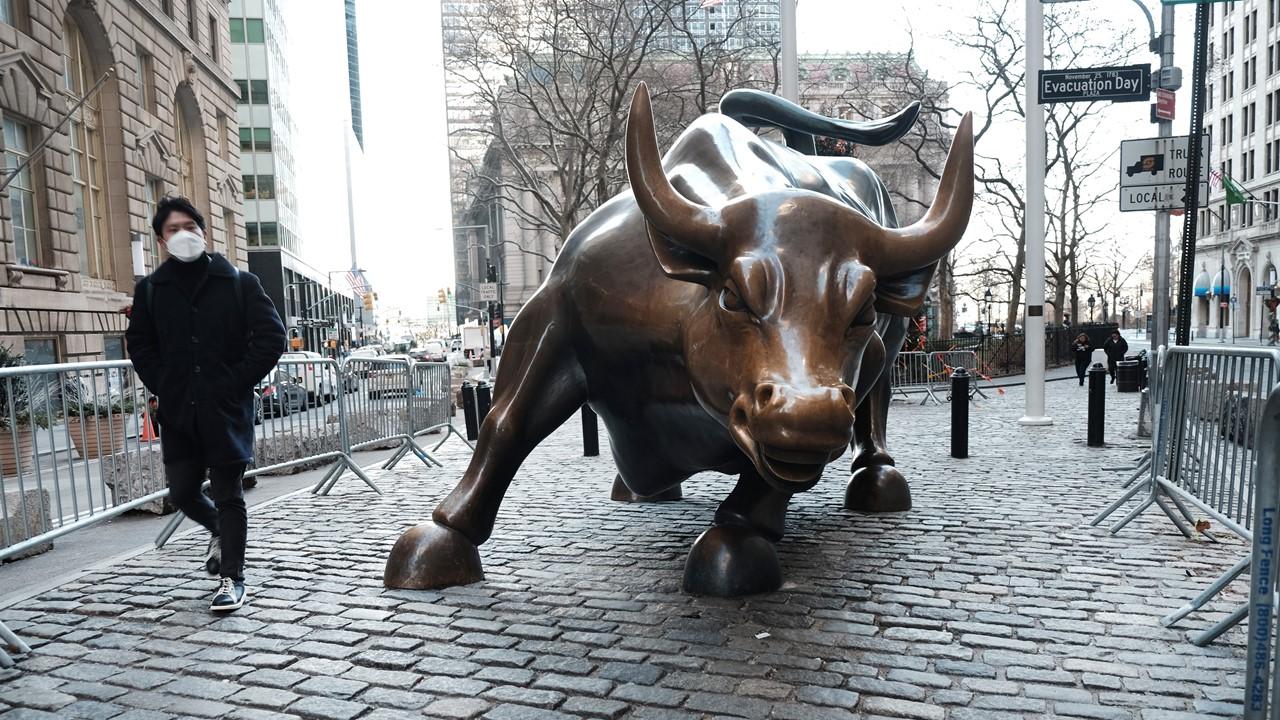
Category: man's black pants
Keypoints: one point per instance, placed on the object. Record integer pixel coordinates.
(222, 512)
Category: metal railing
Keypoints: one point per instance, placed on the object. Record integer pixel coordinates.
(1261, 666)
(83, 445)
(943, 363)
(1209, 405)
(910, 374)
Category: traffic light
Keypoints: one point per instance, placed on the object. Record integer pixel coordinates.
(440, 297)
(368, 301)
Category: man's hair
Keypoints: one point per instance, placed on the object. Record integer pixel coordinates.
(172, 204)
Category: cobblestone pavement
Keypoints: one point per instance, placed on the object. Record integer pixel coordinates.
(991, 599)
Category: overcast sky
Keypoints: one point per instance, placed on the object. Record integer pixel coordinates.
(404, 211)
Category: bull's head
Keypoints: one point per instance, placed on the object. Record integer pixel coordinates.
(775, 349)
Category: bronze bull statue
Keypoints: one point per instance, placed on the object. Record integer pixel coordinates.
(738, 311)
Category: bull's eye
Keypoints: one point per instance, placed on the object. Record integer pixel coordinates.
(730, 299)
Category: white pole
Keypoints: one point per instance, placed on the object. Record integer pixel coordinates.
(788, 63)
(1034, 219)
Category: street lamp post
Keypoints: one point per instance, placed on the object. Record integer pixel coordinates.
(987, 297)
(1092, 300)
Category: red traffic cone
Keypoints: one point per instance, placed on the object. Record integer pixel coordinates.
(148, 432)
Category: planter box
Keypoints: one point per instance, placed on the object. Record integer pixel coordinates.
(97, 435)
(37, 519)
(9, 459)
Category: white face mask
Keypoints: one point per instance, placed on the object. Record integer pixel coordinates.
(186, 246)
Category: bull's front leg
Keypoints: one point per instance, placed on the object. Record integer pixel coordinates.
(737, 556)
(539, 385)
(876, 485)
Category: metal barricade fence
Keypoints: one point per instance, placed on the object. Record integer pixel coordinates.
(910, 373)
(77, 450)
(1261, 666)
(433, 403)
(1208, 407)
(943, 362)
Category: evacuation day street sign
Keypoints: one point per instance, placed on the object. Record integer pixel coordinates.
(1126, 83)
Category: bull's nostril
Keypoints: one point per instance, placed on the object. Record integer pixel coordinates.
(764, 393)
(738, 416)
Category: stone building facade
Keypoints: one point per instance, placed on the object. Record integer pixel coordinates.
(161, 122)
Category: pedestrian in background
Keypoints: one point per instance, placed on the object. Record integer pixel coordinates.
(1274, 329)
(201, 335)
(1084, 352)
(1115, 347)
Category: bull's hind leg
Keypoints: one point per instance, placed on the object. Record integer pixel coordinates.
(876, 485)
(539, 385)
(622, 493)
(736, 556)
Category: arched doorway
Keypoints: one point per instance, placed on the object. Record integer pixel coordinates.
(193, 170)
(1244, 303)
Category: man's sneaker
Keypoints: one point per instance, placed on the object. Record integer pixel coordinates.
(230, 596)
(213, 558)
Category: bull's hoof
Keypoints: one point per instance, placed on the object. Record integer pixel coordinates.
(877, 489)
(430, 556)
(729, 561)
(622, 493)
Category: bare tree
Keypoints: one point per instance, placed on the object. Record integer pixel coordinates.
(555, 78)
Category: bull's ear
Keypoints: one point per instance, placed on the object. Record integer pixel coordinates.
(904, 294)
(680, 262)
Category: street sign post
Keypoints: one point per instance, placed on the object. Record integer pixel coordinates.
(1166, 100)
(1153, 174)
(1158, 197)
(1126, 83)
(488, 292)
(1263, 289)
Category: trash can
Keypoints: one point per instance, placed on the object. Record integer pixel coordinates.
(1128, 376)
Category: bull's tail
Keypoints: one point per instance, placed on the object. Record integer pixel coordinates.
(762, 109)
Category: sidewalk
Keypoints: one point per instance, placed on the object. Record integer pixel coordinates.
(992, 598)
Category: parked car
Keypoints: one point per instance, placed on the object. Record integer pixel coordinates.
(321, 381)
(280, 395)
(388, 380)
(434, 351)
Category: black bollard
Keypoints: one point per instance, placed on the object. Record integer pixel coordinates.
(484, 399)
(1097, 403)
(590, 433)
(469, 410)
(960, 413)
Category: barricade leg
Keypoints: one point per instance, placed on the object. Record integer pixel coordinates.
(1177, 522)
(1097, 519)
(1207, 594)
(1222, 626)
(169, 529)
(12, 642)
(333, 470)
(450, 431)
(346, 463)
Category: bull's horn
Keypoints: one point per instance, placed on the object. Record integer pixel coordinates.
(933, 236)
(687, 223)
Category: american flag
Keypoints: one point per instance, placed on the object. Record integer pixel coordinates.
(359, 284)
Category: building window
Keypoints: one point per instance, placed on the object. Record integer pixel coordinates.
(191, 19)
(223, 141)
(152, 191)
(14, 13)
(213, 37)
(253, 31)
(255, 139)
(229, 224)
(167, 7)
(113, 347)
(40, 351)
(268, 235)
(146, 80)
(259, 187)
(258, 92)
(236, 29)
(22, 195)
(87, 189)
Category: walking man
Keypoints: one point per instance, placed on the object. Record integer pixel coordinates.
(201, 335)
(1115, 347)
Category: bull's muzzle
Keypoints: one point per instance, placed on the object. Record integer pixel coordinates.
(791, 433)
